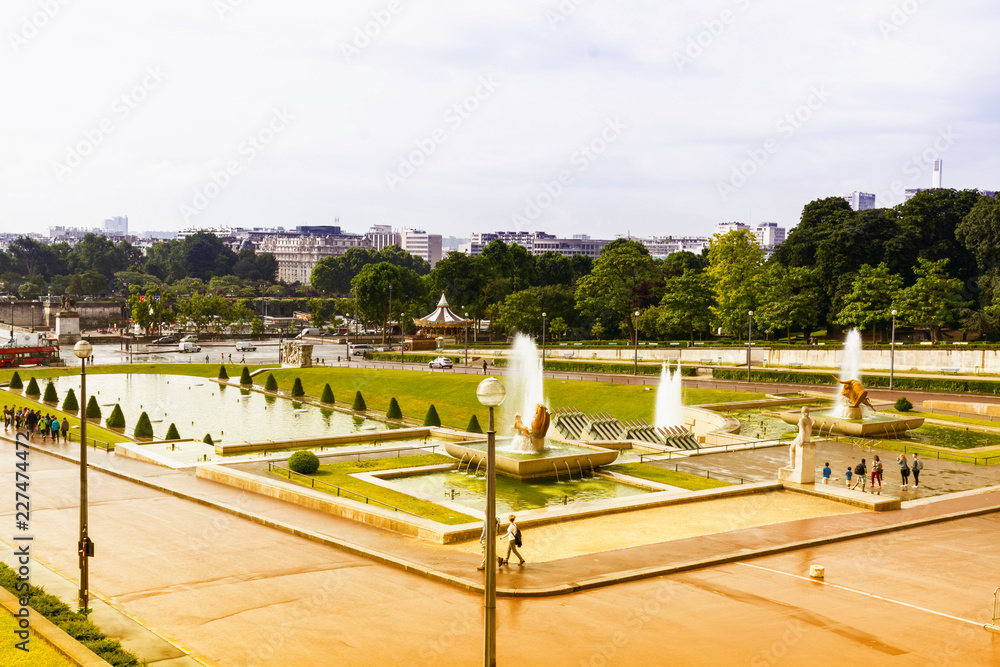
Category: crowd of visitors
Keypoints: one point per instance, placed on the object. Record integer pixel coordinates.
(33, 422)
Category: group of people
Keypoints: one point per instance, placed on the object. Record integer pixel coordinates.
(33, 422)
(859, 473)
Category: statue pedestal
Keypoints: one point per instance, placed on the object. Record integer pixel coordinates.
(805, 473)
(67, 326)
(296, 354)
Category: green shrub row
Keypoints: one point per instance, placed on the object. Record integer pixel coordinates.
(603, 367)
(411, 357)
(869, 381)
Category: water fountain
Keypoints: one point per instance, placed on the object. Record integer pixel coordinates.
(669, 403)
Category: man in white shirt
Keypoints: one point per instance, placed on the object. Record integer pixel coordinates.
(512, 540)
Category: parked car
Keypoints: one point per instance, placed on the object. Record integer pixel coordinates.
(359, 349)
(190, 338)
(166, 340)
(245, 346)
(188, 347)
(441, 362)
(310, 331)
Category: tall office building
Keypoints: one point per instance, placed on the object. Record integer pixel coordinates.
(936, 175)
(382, 236)
(420, 243)
(860, 201)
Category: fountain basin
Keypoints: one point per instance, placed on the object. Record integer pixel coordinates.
(558, 459)
(868, 427)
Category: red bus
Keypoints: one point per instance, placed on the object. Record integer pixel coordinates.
(43, 352)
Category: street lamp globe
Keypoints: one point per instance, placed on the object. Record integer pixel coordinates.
(750, 313)
(491, 392)
(83, 349)
(895, 312)
(544, 314)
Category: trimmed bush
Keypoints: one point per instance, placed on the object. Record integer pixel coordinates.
(245, 376)
(32, 389)
(474, 426)
(143, 427)
(297, 389)
(208, 439)
(50, 393)
(223, 375)
(957, 386)
(432, 419)
(93, 409)
(359, 402)
(303, 462)
(15, 381)
(270, 384)
(604, 367)
(117, 418)
(394, 412)
(411, 357)
(172, 433)
(903, 405)
(327, 396)
(70, 404)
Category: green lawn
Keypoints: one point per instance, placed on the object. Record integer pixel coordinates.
(339, 474)
(40, 653)
(665, 476)
(946, 418)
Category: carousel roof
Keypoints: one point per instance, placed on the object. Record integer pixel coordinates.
(441, 317)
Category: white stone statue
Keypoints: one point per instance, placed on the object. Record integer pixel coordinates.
(803, 438)
(801, 454)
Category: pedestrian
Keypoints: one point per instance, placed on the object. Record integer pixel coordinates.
(877, 475)
(513, 538)
(243, 359)
(847, 476)
(826, 472)
(918, 465)
(861, 472)
(206, 358)
(482, 540)
(65, 429)
(230, 357)
(904, 471)
(54, 428)
(484, 367)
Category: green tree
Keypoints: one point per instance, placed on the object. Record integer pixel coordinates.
(70, 404)
(15, 381)
(223, 375)
(317, 312)
(371, 287)
(687, 301)
(143, 427)
(270, 384)
(359, 402)
(303, 462)
(557, 328)
(432, 418)
(93, 409)
(327, 395)
(791, 298)
(117, 418)
(172, 433)
(870, 300)
(394, 411)
(473, 426)
(624, 279)
(32, 389)
(933, 299)
(735, 262)
(50, 393)
(245, 378)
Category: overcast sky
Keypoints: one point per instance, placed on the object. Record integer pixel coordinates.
(601, 118)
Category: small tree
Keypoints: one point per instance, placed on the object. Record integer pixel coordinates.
(50, 393)
(32, 389)
(15, 381)
(172, 433)
(245, 376)
(70, 404)
(208, 439)
(394, 411)
(297, 389)
(143, 427)
(271, 384)
(223, 375)
(304, 462)
(327, 396)
(474, 426)
(93, 409)
(117, 418)
(359, 402)
(903, 405)
(432, 419)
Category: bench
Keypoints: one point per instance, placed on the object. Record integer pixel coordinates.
(705, 361)
(795, 364)
(953, 371)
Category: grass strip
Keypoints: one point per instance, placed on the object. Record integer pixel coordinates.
(945, 418)
(654, 473)
(40, 654)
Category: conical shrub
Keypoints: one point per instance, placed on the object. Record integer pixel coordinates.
(32, 389)
(208, 439)
(143, 427)
(117, 418)
(93, 409)
(359, 403)
(70, 404)
(474, 426)
(432, 419)
(394, 411)
(327, 396)
(271, 384)
(297, 389)
(16, 382)
(172, 433)
(245, 376)
(223, 375)
(50, 393)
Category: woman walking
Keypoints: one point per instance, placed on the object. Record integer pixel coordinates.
(904, 470)
(877, 475)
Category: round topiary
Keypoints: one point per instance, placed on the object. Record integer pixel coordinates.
(903, 405)
(327, 396)
(304, 462)
(271, 384)
(297, 389)
(474, 426)
(50, 393)
(15, 381)
(32, 389)
(208, 439)
(245, 376)
(117, 418)
(359, 403)
(70, 404)
(93, 409)
(394, 411)
(172, 433)
(432, 419)
(143, 427)
(223, 375)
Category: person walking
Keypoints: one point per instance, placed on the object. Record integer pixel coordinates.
(826, 472)
(513, 538)
(847, 476)
(482, 540)
(484, 367)
(877, 475)
(65, 429)
(904, 471)
(861, 472)
(917, 466)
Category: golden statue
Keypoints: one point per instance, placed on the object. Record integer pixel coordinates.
(855, 394)
(539, 427)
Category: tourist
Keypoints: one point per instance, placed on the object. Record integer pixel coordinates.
(484, 367)
(482, 541)
(513, 538)
(847, 476)
(826, 472)
(243, 359)
(877, 475)
(65, 429)
(54, 428)
(904, 471)
(917, 466)
(861, 472)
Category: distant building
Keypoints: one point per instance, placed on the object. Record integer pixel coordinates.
(382, 236)
(769, 235)
(860, 201)
(298, 252)
(420, 243)
(726, 227)
(936, 174)
(661, 246)
(538, 243)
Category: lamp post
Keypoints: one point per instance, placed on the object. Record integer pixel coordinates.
(749, 340)
(390, 318)
(635, 360)
(466, 316)
(892, 349)
(85, 548)
(544, 315)
(402, 336)
(491, 394)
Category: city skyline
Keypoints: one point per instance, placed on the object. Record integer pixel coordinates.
(567, 118)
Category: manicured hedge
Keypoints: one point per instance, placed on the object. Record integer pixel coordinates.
(50, 393)
(411, 357)
(70, 404)
(870, 381)
(327, 396)
(172, 433)
(117, 418)
(604, 367)
(143, 427)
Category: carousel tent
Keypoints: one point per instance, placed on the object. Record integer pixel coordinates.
(442, 321)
